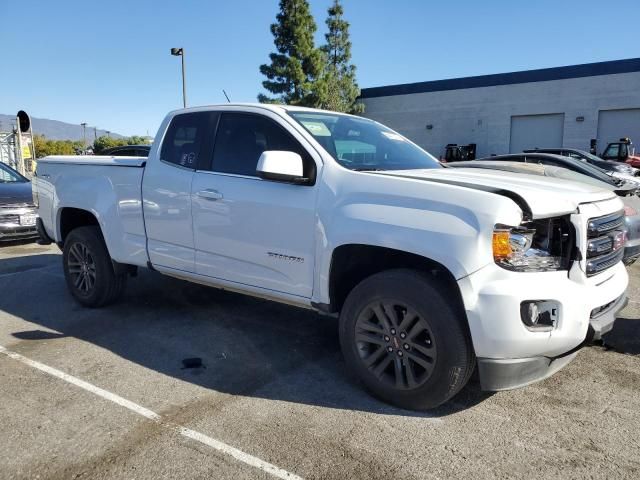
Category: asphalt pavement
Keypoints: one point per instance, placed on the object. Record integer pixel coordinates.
(107, 394)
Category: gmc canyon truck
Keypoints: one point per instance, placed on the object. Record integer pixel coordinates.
(432, 271)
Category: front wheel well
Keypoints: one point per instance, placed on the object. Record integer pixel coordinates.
(352, 263)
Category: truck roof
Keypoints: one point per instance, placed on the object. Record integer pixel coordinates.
(275, 107)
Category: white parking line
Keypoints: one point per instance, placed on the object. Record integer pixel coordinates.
(145, 412)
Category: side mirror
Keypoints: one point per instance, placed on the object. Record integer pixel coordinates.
(281, 166)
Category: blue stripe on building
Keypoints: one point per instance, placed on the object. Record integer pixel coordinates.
(528, 76)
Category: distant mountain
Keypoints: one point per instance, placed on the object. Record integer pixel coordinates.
(54, 129)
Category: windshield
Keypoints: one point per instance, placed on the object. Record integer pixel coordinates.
(592, 157)
(361, 144)
(8, 175)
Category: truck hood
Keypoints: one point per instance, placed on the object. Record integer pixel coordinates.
(538, 196)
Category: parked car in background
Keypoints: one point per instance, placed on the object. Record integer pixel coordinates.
(17, 210)
(431, 271)
(128, 151)
(622, 151)
(626, 192)
(619, 170)
(559, 161)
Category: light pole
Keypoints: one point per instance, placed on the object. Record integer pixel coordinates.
(84, 134)
(179, 52)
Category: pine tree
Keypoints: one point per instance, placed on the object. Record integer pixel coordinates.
(297, 64)
(338, 87)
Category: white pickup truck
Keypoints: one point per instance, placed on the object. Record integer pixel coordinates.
(431, 270)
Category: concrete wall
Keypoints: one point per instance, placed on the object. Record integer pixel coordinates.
(483, 115)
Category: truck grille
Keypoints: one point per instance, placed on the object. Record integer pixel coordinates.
(605, 242)
(9, 218)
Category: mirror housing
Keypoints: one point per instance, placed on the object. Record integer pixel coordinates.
(281, 166)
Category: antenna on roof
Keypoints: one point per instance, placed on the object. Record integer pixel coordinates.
(227, 96)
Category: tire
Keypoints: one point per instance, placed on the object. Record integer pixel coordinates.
(404, 340)
(88, 269)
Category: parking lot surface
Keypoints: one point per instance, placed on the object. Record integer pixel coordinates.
(80, 388)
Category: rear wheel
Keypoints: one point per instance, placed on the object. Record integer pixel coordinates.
(88, 269)
(403, 339)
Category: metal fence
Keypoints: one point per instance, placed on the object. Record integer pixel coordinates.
(8, 150)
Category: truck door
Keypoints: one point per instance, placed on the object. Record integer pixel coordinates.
(249, 230)
(166, 189)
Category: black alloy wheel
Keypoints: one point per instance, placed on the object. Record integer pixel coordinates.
(396, 344)
(82, 268)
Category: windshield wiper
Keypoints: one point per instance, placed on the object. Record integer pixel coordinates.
(371, 169)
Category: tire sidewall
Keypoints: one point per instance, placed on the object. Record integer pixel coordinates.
(91, 238)
(451, 367)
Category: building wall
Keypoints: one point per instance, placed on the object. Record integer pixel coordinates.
(482, 115)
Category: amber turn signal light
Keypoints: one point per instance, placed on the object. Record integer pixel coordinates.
(501, 246)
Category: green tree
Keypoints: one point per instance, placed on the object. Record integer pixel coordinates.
(297, 64)
(104, 142)
(45, 147)
(136, 140)
(338, 87)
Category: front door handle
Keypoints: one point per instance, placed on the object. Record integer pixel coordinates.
(209, 194)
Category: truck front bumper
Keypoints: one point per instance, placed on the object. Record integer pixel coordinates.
(512, 355)
(506, 374)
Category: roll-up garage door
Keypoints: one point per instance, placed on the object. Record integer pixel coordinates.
(536, 131)
(616, 124)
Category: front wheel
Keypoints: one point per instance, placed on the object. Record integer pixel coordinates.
(88, 269)
(403, 339)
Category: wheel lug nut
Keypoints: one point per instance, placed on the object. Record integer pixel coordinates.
(403, 335)
(399, 353)
(393, 331)
(406, 346)
(386, 338)
(389, 349)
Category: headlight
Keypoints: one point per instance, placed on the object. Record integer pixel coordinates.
(540, 245)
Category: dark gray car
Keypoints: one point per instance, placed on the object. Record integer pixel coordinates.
(17, 210)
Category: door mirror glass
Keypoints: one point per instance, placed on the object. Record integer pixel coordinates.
(281, 166)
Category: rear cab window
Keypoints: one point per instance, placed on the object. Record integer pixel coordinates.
(188, 139)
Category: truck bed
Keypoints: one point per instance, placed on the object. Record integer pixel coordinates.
(108, 187)
(95, 160)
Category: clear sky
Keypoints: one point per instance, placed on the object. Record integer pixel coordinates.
(107, 63)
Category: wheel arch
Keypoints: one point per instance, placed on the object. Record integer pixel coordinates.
(70, 218)
(352, 263)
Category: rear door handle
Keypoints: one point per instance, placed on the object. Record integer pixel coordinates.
(209, 194)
